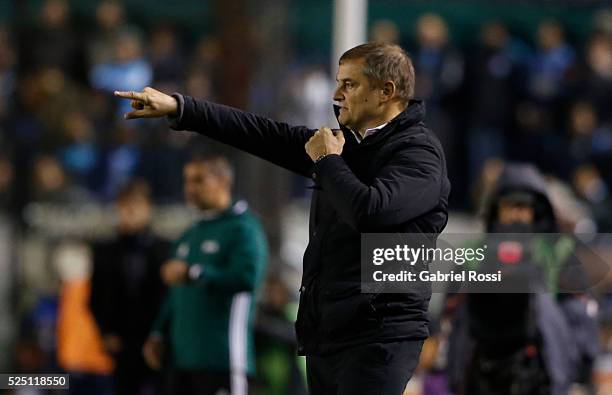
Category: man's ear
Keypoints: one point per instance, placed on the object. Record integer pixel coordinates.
(387, 92)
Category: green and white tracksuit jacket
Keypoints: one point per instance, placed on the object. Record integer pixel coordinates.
(208, 320)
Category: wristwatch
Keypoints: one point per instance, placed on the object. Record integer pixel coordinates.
(320, 157)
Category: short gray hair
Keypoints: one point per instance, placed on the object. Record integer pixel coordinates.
(217, 163)
(385, 62)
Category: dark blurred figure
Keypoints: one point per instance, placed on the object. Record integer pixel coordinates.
(590, 186)
(207, 52)
(540, 117)
(206, 57)
(279, 370)
(7, 185)
(551, 65)
(385, 31)
(440, 77)
(166, 56)
(79, 152)
(39, 107)
(439, 66)
(51, 184)
(596, 84)
(127, 290)
(493, 79)
(8, 63)
(198, 83)
(52, 42)
(525, 343)
(110, 23)
(590, 141)
(121, 160)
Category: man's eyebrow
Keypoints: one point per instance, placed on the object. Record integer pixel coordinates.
(344, 80)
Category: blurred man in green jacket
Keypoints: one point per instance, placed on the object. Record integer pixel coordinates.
(213, 274)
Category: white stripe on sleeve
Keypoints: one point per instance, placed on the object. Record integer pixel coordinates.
(238, 327)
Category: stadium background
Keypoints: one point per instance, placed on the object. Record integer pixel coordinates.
(65, 150)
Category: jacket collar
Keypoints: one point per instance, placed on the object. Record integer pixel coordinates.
(413, 114)
(237, 208)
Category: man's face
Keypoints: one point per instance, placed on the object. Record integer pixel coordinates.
(513, 213)
(202, 187)
(357, 98)
(134, 213)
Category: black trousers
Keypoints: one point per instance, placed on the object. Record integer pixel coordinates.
(370, 369)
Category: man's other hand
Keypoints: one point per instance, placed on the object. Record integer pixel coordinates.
(150, 103)
(152, 352)
(324, 142)
(174, 272)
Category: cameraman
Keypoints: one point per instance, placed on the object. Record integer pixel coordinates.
(524, 343)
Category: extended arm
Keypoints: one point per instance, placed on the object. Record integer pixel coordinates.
(273, 141)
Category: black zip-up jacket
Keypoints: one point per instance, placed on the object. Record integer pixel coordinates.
(393, 181)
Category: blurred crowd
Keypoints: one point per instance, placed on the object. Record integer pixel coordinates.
(61, 132)
(543, 101)
(63, 143)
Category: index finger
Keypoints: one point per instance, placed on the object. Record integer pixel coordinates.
(131, 95)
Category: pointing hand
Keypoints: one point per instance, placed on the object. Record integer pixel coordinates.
(150, 103)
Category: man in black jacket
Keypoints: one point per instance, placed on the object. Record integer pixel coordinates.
(383, 171)
(127, 290)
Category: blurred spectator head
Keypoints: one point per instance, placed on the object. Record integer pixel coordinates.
(48, 176)
(599, 55)
(110, 15)
(385, 31)
(602, 21)
(589, 184)
(550, 34)
(208, 182)
(29, 93)
(55, 13)
(52, 80)
(165, 55)
(207, 52)
(134, 207)
(7, 53)
(128, 47)
(124, 134)
(72, 260)
(198, 83)
(583, 119)
(77, 127)
(275, 294)
(7, 174)
(530, 118)
(494, 35)
(78, 153)
(520, 202)
(163, 41)
(516, 208)
(432, 31)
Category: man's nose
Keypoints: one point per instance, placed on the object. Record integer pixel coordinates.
(337, 95)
